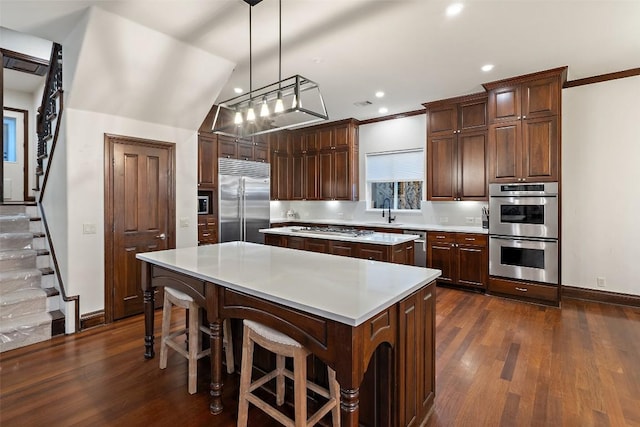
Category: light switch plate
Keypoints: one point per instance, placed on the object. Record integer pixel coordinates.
(88, 229)
(184, 222)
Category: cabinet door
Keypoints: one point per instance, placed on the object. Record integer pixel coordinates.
(280, 177)
(504, 151)
(505, 104)
(245, 150)
(295, 243)
(443, 121)
(540, 98)
(440, 255)
(341, 174)
(416, 358)
(341, 137)
(402, 253)
(472, 169)
(316, 245)
(342, 248)
(310, 178)
(207, 162)
(297, 175)
(273, 240)
(373, 252)
(311, 141)
(261, 152)
(540, 149)
(472, 115)
(227, 147)
(441, 155)
(325, 163)
(325, 138)
(472, 265)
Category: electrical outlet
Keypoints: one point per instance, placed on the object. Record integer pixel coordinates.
(184, 222)
(469, 220)
(601, 282)
(444, 219)
(88, 229)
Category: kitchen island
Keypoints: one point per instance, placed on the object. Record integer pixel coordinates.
(344, 310)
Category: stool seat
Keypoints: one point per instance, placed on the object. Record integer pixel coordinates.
(193, 353)
(283, 346)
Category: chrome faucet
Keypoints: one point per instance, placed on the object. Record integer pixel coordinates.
(387, 202)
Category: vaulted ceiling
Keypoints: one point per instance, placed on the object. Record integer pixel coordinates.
(410, 49)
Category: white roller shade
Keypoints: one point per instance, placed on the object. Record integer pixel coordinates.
(395, 166)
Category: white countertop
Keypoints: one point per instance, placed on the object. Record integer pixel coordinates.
(387, 239)
(383, 224)
(347, 290)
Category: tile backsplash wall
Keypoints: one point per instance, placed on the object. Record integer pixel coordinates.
(442, 213)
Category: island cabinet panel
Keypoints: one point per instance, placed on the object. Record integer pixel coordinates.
(457, 148)
(462, 258)
(316, 245)
(273, 240)
(337, 247)
(524, 132)
(416, 363)
(373, 252)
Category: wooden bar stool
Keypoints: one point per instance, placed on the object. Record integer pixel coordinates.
(174, 297)
(283, 346)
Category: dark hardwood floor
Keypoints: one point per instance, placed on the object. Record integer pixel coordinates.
(499, 363)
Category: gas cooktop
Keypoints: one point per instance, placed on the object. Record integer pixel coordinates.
(335, 230)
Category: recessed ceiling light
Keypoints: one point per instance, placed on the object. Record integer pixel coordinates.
(487, 67)
(454, 9)
(383, 110)
(379, 94)
(237, 89)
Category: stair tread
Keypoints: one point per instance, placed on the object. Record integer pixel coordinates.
(46, 271)
(38, 234)
(39, 318)
(51, 292)
(17, 254)
(56, 315)
(22, 295)
(20, 274)
(42, 252)
(35, 218)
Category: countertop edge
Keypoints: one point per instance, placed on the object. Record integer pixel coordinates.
(400, 226)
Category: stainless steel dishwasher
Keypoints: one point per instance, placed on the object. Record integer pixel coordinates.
(419, 247)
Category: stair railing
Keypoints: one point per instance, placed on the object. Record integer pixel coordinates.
(48, 127)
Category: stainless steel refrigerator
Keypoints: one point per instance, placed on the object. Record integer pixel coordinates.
(243, 200)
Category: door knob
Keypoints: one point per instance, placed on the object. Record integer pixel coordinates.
(161, 236)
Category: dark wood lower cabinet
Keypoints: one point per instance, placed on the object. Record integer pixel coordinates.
(462, 258)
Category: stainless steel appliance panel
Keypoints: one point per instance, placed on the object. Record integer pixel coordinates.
(525, 259)
(419, 248)
(243, 200)
(524, 216)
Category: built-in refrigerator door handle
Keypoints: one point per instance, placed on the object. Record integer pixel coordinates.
(243, 212)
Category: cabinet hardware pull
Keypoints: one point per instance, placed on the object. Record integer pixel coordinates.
(521, 289)
(471, 239)
(439, 237)
(524, 117)
(409, 247)
(518, 118)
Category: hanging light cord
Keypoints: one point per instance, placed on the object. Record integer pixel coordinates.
(250, 55)
(279, 42)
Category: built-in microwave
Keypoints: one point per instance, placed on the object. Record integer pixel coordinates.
(203, 205)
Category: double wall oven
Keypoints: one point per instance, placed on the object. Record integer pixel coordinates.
(523, 231)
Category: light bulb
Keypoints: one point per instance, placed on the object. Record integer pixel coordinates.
(251, 115)
(238, 118)
(264, 110)
(279, 108)
(294, 104)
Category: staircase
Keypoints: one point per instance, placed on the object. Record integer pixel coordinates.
(29, 300)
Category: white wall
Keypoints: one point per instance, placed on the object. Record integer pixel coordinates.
(85, 194)
(601, 185)
(25, 43)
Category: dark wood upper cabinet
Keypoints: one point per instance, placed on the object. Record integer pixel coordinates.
(323, 162)
(207, 161)
(279, 145)
(457, 148)
(524, 133)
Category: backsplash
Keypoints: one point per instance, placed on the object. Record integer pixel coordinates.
(441, 213)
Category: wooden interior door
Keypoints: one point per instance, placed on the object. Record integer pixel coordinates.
(140, 216)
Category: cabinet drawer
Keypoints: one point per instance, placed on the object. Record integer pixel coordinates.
(438, 237)
(523, 290)
(471, 239)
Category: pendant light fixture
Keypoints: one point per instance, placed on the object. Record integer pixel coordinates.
(237, 116)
